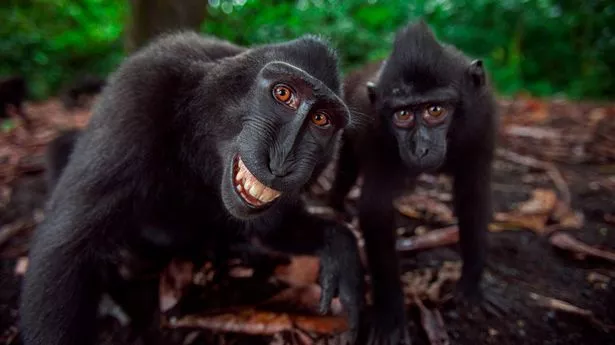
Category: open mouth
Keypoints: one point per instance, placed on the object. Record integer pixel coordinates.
(250, 189)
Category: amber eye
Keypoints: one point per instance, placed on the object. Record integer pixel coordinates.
(403, 117)
(435, 111)
(283, 94)
(320, 119)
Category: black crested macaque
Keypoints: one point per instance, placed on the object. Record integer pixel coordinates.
(13, 92)
(432, 110)
(193, 140)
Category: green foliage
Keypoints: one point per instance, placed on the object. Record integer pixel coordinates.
(546, 47)
(542, 46)
(52, 41)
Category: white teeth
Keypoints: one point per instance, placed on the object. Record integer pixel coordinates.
(249, 184)
(266, 196)
(239, 175)
(256, 190)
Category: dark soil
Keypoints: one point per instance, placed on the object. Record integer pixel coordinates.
(520, 263)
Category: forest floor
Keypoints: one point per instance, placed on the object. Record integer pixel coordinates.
(551, 265)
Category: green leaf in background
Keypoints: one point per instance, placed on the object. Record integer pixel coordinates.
(546, 47)
(7, 125)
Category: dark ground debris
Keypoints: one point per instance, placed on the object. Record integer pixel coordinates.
(525, 271)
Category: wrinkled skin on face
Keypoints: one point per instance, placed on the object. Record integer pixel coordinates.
(418, 94)
(292, 125)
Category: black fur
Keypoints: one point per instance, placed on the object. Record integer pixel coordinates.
(153, 173)
(261, 260)
(57, 155)
(419, 72)
(13, 92)
(84, 87)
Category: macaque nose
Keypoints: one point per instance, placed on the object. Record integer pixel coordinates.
(422, 152)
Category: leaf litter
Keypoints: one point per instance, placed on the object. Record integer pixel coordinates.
(534, 139)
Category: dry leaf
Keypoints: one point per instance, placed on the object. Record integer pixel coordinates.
(302, 271)
(321, 324)
(427, 283)
(173, 280)
(598, 280)
(532, 214)
(251, 321)
(566, 217)
(21, 266)
(542, 202)
(422, 206)
(302, 298)
(549, 168)
(416, 283)
(532, 222)
(449, 272)
(247, 321)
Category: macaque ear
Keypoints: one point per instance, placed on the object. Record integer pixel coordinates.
(371, 91)
(477, 73)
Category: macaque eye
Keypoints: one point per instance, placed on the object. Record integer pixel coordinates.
(284, 94)
(435, 114)
(403, 117)
(436, 111)
(320, 119)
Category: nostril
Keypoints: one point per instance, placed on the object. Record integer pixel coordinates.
(423, 152)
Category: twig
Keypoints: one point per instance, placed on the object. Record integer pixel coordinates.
(433, 324)
(549, 168)
(12, 229)
(557, 304)
(260, 322)
(566, 307)
(567, 242)
(431, 239)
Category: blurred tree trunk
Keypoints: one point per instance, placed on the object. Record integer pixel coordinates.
(149, 18)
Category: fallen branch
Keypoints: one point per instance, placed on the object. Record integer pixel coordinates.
(433, 324)
(255, 322)
(549, 168)
(8, 231)
(566, 307)
(567, 242)
(431, 239)
(301, 298)
(557, 304)
(245, 321)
